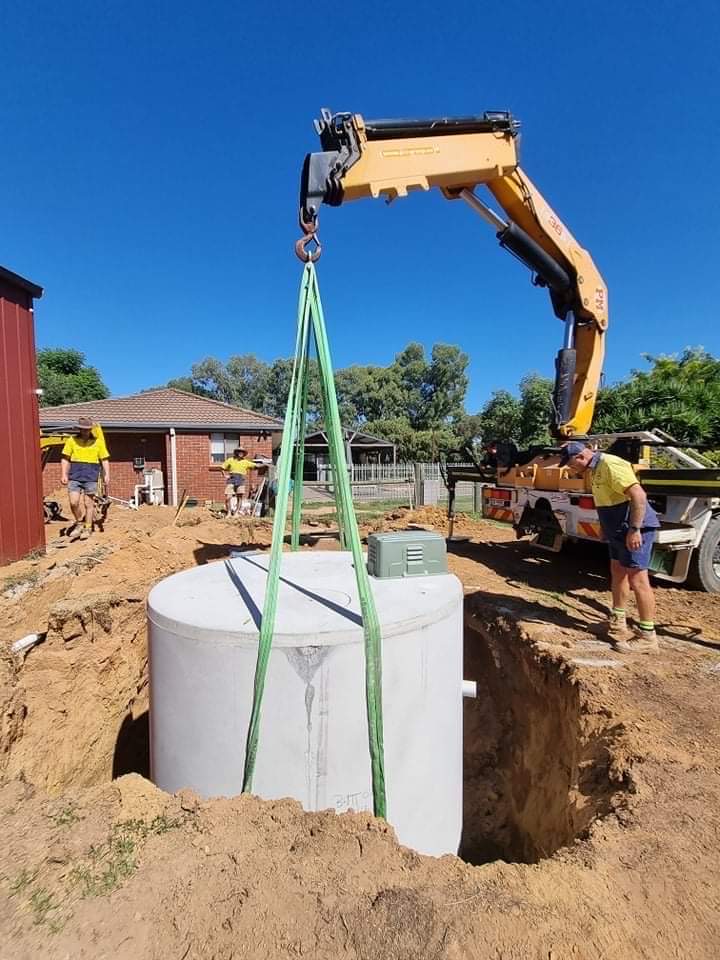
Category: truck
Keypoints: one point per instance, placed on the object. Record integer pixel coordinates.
(545, 502)
(391, 158)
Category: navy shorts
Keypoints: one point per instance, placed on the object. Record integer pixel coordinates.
(87, 486)
(632, 559)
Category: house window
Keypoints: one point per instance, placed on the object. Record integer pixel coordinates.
(222, 446)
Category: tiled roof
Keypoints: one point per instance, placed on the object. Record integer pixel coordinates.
(165, 407)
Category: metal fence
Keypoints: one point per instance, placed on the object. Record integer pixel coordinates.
(360, 472)
(401, 483)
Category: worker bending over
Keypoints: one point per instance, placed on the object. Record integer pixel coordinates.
(81, 459)
(236, 469)
(629, 525)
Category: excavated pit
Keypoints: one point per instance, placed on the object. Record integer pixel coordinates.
(539, 764)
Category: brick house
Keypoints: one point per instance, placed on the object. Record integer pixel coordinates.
(186, 436)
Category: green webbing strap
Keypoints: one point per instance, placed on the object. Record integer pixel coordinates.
(310, 314)
(267, 625)
(303, 374)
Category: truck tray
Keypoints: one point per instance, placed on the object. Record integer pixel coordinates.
(681, 483)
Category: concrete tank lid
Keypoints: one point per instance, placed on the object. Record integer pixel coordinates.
(317, 600)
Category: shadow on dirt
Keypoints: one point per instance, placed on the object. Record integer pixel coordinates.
(132, 747)
(208, 552)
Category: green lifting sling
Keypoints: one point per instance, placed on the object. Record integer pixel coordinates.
(310, 318)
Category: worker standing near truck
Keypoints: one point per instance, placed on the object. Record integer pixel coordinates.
(236, 469)
(629, 525)
(81, 460)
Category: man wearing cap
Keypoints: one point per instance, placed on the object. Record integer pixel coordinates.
(235, 470)
(629, 525)
(81, 459)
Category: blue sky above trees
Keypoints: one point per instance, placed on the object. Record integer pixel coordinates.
(153, 156)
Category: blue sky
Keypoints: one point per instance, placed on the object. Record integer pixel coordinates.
(152, 151)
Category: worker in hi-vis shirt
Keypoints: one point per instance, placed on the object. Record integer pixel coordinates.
(81, 460)
(629, 525)
(236, 469)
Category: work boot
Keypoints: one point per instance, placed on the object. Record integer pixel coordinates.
(639, 641)
(614, 628)
(84, 534)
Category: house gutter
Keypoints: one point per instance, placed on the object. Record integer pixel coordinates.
(173, 466)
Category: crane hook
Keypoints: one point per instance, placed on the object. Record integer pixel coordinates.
(301, 245)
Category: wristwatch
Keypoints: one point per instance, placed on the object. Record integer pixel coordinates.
(634, 529)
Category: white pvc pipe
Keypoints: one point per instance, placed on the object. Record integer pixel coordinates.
(26, 642)
(469, 689)
(173, 466)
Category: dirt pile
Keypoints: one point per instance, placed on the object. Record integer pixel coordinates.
(74, 708)
(592, 783)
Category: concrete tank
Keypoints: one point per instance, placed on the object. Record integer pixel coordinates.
(203, 632)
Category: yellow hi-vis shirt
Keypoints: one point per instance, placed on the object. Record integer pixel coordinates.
(237, 467)
(611, 477)
(85, 457)
(92, 450)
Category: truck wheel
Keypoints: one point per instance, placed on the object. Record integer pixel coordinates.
(705, 563)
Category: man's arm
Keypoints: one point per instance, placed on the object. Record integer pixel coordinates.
(64, 470)
(638, 504)
(106, 472)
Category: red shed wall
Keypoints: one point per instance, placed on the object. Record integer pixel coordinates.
(21, 513)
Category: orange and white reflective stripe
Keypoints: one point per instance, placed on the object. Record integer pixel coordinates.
(498, 513)
(590, 529)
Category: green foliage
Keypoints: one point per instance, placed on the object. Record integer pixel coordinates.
(23, 880)
(500, 418)
(523, 420)
(42, 904)
(66, 816)
(536, 411)
(430, 444)
(111, 862)
(680, 395)
(414, 401)
(65, 378)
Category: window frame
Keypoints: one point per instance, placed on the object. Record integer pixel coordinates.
(230, 442)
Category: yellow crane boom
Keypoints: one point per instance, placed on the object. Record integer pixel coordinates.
(390, 158)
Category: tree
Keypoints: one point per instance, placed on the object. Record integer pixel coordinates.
(412, 395)
(500, 418)
(536, 410)
(468, 428)
(65, 377)
(680, 395)
(446, 384)
(412, 444)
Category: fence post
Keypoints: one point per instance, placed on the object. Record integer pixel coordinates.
(419, 492)
(477, 497)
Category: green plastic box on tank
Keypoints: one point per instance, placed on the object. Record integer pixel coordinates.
(407, 553)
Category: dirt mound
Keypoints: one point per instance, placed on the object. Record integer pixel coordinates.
(592, 783)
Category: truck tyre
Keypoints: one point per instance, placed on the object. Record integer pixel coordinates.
(704, 570)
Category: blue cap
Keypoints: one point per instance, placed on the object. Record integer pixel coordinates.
(571, 449)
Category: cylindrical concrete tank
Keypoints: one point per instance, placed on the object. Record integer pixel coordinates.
(203, 633)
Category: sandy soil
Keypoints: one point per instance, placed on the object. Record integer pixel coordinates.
(592, 791)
